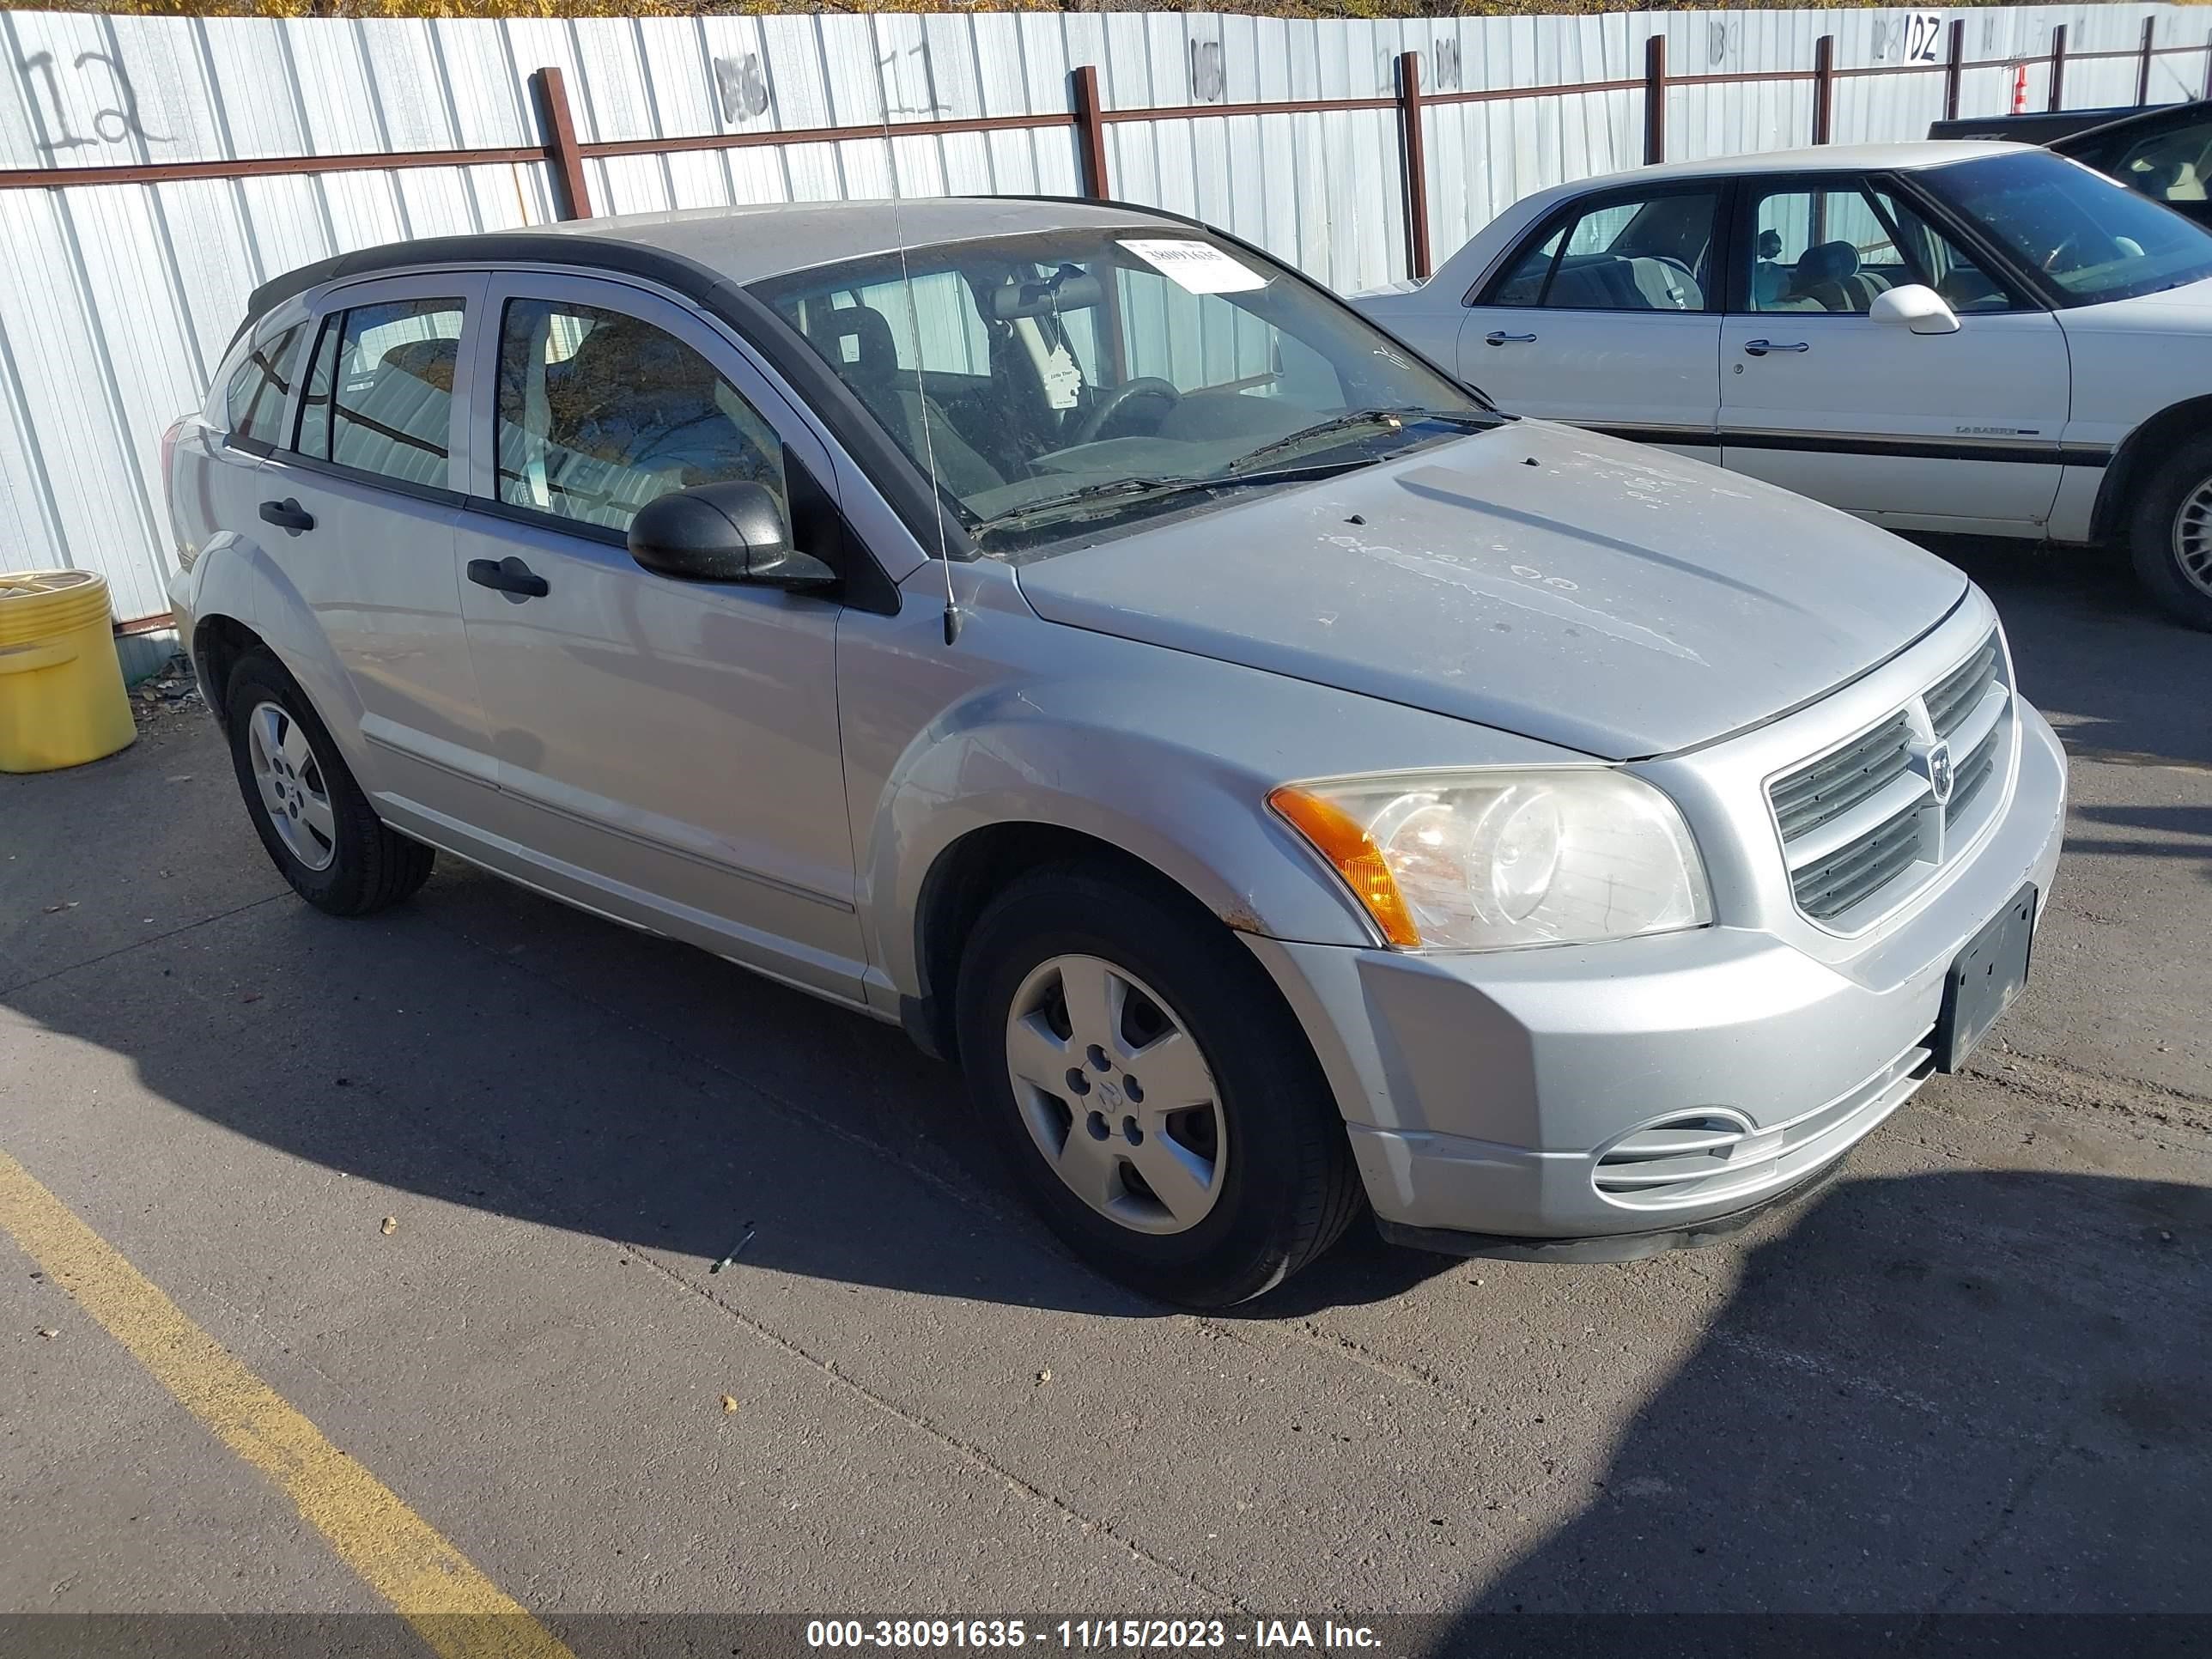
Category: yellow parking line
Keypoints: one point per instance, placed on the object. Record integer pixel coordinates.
(458, 1610)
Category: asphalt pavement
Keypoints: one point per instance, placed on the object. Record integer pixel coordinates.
(455, 1182)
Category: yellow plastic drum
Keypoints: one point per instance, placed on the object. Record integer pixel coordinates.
(62, 701)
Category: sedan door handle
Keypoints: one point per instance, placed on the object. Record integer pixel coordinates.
(508, 575)
(1761, 348)
(1499, 337)
(288, 514)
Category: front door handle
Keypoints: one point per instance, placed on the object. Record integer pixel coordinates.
(288, 514)
(1761, 348)
(508, 575)
(1499, 337)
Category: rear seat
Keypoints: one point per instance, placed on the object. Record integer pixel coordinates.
(1609, 282)
(397, 426)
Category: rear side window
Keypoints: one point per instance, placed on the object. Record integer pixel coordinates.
(380, 395)
(1642, 253)
(600, 414)
(253, 403)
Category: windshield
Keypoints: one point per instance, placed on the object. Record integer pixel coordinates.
(1057, 381)
(2092, 239)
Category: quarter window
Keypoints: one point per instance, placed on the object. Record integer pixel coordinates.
(253, 403)
(1650, 253)
(381, 396)
(600, 414)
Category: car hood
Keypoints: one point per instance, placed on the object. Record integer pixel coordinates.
(1537, 579)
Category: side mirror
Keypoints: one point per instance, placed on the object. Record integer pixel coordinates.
(723, 533)
(1916, 307)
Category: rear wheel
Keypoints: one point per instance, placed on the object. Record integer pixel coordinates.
(2171, 535)
(1149, 1091)
(320, 831)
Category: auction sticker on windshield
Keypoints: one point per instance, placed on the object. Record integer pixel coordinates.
(1198, 267)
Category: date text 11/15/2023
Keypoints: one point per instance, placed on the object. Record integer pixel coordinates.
(1088, 1635)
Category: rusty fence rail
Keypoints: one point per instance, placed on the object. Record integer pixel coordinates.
(1087, 117)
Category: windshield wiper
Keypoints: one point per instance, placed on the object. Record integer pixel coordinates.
(1360, 420)
(1115, 491)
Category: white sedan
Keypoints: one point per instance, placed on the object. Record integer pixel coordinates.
(1967, 337)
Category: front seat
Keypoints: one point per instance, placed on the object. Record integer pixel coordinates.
(894, 396)
(1826, 275)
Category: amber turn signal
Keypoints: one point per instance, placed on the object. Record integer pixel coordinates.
(1337, 836)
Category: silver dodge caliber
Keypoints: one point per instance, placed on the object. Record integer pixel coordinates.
(1279, 778)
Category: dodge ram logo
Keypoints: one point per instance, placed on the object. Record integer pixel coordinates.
(1939, 773)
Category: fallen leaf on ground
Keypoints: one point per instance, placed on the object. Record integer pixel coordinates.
(56, 909)
(391, 1225)
(729, 1402)
(48, 1331)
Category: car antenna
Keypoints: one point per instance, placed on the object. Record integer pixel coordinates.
(952, 616)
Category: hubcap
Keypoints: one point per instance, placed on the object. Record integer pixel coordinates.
(1116, 1095)
(293, 791)
(2192, 538)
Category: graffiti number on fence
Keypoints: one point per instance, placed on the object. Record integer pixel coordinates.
(896, 94)
(1923, 32)
(114, 124)
(1446, 53)
(1208, 79)
(743, 86)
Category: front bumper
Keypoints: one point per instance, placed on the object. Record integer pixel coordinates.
(1648, 1086)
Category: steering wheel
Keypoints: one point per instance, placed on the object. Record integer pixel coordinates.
(2051, 265)
(1144, 385)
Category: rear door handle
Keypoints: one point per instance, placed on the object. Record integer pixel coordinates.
(508, 575)
(288, 514)
(1499, 337)
(1761, 348)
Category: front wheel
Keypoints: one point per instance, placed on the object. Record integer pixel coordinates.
(2171, 535)
(1151, 1094)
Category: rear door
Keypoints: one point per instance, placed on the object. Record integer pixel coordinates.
(1947, 432)
(368, 479)
(1608, 314)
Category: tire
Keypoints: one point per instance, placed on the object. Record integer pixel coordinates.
(337, 854)
(2170, 535)
(1260, 1178)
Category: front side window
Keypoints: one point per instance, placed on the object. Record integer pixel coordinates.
(1058, 381)
(2168, 166)
(379, 397)
(2094, 239)
(600, 414)
(1838, 249)
(253, 403)
(1652, 253)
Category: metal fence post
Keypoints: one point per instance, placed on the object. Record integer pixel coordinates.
(1655, 99)
(1824, 87)
(1416, 160)
(571, 198)
(2058, 68)
(1090, 132)
(2143, 72)
(1954, 68)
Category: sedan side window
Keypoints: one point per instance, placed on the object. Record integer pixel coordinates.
(1838, 250)
(600, 414)
(2168, 166)
(1652, 253)
(380, 397)
(254, 402)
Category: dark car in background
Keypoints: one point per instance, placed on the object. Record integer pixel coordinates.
(2164, 153)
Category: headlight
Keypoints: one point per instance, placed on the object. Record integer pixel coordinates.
(1491, 860)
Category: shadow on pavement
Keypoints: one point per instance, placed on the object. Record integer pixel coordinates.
(1975, 1393)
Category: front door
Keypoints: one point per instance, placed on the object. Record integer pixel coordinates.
(1607, 315)
(1944, 432)
(667, 751)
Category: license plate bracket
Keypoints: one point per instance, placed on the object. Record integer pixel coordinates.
(1984, 978)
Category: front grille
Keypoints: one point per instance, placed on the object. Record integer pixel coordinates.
(1954, 697)
(1831, 787)
(1855, 871)
(1857, 822)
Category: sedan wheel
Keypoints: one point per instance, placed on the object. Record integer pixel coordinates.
(293, 792)
(1115, 1092)
(2170, 533)
(2192, 538)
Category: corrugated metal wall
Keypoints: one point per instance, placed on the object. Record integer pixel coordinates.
(116, 301)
